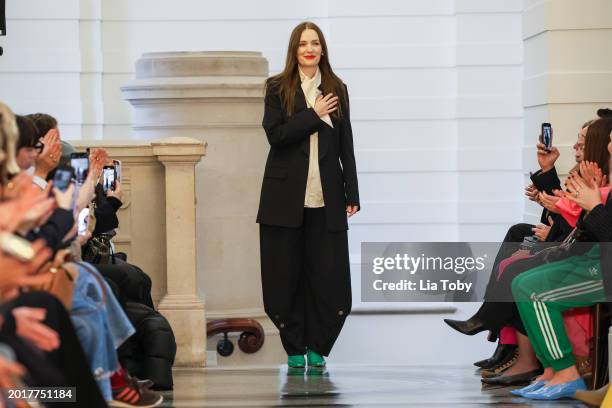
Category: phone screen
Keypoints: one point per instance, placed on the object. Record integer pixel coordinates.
(109, 177)
(80, 164)
(62, 178)
(118, 170)
(82, 221)
(547, 135)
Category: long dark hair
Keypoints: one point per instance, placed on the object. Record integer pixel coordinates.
(286, 82)
(596, 143)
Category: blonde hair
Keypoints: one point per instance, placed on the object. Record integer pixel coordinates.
(9, 134)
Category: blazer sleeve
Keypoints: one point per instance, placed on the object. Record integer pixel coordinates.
(347, 157)
(55, 229)
(599, 222)
(547, 181)
(297, 128)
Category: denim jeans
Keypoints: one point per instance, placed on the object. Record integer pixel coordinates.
(100, 323)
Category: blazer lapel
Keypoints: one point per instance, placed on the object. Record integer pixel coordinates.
(299, 105)
(324, 133)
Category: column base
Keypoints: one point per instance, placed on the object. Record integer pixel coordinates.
(188, 320)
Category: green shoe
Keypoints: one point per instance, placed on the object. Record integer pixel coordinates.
(315, 360)
(296, 361)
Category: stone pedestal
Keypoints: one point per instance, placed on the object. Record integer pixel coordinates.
(182, 305)
(216, 97)
(157, 229)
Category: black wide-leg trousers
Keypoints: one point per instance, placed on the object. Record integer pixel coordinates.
(306, 282)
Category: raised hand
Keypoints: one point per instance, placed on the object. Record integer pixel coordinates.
(585, 194)
(13, 211)
(15, 273)
(97, 159)
(51, 154)
(547, 158)
(591, 173)
(324, 105)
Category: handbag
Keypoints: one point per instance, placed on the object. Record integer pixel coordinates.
(62, 280)
(566, 249)
(98, 250)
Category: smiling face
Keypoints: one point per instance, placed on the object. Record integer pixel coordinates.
(579, 145)
(309, 50)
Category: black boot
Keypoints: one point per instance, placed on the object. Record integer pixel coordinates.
(500, 354)
(469, 327)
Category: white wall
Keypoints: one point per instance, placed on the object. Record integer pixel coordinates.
(435, 91)
(567, 74)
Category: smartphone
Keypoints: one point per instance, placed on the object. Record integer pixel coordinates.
(80, 164)
(109, 177)
(547, 136)
(118, 170)
(16, 247)
(83, 221)
(63, 177)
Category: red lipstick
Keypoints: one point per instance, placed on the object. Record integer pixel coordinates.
(310, 56)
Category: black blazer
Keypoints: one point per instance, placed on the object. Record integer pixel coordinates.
(284, 184)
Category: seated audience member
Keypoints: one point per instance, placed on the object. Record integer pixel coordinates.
(543, 293)
(131, 286)
(35, 325)
(544, 181)
(100, 329)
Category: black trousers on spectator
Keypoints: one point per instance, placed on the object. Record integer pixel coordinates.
(66, 366)
(515, 235)
(306, 282)
(499, 309)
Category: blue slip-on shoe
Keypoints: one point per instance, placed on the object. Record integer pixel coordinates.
(536, 385)
(555, 392)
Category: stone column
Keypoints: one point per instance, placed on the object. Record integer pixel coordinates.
(182, 305)
(566, 72)
(215, 97)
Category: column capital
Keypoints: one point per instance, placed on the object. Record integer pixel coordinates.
(181, 302)
(179, 149)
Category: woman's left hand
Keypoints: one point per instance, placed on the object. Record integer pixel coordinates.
(351, 210)
(585, 194)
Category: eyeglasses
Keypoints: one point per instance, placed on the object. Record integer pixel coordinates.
(39, 147)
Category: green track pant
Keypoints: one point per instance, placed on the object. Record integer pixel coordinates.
(542, 294)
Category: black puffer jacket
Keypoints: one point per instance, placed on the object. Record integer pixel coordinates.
(150, 352)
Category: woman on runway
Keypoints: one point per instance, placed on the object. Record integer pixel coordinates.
(309, 188)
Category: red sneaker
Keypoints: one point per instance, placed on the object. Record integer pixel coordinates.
(132, 395)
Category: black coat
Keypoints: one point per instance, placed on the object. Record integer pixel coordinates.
(284, 184)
